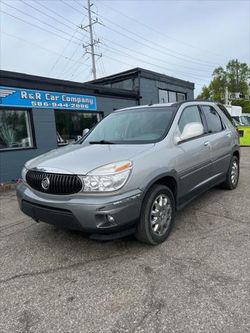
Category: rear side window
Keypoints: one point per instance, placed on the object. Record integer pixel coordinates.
(214, 122)
(191, 114)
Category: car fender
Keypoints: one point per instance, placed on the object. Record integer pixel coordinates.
(155, 176)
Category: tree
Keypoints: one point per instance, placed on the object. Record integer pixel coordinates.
(234, 77)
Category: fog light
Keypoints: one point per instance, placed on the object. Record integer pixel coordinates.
(105, 221)
(110, 219)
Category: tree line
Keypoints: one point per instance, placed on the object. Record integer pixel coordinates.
(232, 79)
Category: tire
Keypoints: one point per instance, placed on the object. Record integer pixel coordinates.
(157, 215)
(233, 173)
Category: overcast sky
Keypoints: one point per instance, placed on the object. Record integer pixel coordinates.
(181, 38)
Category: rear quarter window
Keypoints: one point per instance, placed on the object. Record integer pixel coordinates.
(226, 113)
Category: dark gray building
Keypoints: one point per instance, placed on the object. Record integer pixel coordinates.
(151, 86)
(38, 114)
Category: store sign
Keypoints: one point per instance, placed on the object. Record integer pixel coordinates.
(20, 97)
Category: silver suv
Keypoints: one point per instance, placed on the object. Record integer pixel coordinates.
(132, 171)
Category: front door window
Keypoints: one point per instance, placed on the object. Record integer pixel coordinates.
(191, 114)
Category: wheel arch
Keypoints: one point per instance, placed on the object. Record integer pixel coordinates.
(167, 179)
(237, 154)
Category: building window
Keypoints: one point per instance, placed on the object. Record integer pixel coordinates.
(172, 96)
(180, 97)
(70, 124)
(163, 96)
(167, 96)
(15, 129)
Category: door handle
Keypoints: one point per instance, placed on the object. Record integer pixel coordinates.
(206, 143)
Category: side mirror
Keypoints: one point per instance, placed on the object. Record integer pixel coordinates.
(190, 130)
(85, 131)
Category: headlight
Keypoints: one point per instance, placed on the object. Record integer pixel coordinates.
(110, 177)
(23, 173)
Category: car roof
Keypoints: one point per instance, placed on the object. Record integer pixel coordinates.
(174, 104)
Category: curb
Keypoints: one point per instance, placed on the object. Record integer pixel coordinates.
(7, 187)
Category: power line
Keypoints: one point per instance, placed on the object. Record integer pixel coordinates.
(46, 30)
(144, 54)
(48, 15)
(72, 7)
(100, 59)
(152, 64)
(71, 22)
(61, 54)
(57, 14)
(41, 21)
(67, 58)
(37, 26)
(130, 65)
(43, 48)
(180, 55)
(50, 32)
(153, 57)
(65, 47)
(67, 62)
(76, 63)
(158, 49)
(158, 31)
(77, 70)
(86, 76)
(154, 48)
(72, 67)
(92, 42)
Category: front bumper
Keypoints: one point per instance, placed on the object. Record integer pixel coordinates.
(87, 212)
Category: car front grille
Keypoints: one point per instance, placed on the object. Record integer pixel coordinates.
(53, 183)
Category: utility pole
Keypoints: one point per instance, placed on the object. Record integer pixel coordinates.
(226, 99)
(93, 42)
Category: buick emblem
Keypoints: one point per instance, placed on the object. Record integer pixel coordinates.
(45, 183)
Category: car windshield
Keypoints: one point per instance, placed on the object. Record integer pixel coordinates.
(245, 120)
(142, 125)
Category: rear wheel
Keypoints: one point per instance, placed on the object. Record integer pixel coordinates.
(233, 173)
(157, 215)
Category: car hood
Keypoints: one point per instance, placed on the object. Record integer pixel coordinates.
(81, 159)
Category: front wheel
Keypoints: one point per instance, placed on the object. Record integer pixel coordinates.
(157, 215)
(233, 173)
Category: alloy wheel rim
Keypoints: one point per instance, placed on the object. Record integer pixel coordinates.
(234, 173)
(160, 214)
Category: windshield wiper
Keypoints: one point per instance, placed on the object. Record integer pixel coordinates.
(101, 142)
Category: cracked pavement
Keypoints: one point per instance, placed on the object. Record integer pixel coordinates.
(54, 280)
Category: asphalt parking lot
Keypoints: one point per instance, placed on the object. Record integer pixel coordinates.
(54, 280)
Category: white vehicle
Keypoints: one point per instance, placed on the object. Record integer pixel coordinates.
(243, 120)
(234, 110)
